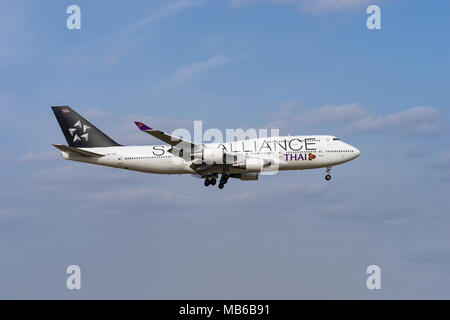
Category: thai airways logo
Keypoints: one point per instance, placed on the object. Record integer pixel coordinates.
(311, 156)
(79, 132)
(300, 157)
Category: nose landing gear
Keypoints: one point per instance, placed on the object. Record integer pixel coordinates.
(328, 176)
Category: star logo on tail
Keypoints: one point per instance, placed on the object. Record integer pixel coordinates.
(79, 132)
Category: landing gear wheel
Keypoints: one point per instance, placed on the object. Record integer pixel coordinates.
(221, 185)
(207, 182)
(224, 178)
(213, 182)
(328, 177)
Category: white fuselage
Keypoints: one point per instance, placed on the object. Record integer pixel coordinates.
(290, 153)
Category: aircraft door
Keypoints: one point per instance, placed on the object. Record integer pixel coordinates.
(329, 144)
(321, 147)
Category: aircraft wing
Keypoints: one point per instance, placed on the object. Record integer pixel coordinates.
(205, 169)
(168, 138)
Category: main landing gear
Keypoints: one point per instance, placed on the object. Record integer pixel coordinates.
(328, 176)
(223, 180)
(212, 181)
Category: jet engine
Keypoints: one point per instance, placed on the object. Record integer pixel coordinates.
(247, 176)
(252, 164)
(213, 155)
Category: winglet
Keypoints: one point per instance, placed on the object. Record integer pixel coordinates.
(142, 126)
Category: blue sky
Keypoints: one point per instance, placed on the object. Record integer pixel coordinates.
(305, 67)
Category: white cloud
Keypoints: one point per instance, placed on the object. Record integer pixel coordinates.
(144, 194)
(63, 173)
(33, 156)
(73, 172)
(273, 191)
(167, 11)
(417, 120)
(334, 114)
(291, 111)
(188, 71)
(353, 118)
(96, 113)
(311, 6)
(323, 6)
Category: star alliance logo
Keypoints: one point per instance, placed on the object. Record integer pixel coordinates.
(74, 132)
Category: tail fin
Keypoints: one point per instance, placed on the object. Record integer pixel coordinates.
(79, 132)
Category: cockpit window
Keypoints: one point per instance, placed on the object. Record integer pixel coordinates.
(334, 139)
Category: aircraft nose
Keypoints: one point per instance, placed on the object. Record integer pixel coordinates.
(357, 153)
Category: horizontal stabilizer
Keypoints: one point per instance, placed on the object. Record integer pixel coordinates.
(79, 151)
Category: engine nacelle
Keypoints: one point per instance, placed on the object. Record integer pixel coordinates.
(213, 155)
(247, 176)
(252, 164)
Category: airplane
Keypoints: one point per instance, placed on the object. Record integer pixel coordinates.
(243, 160)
